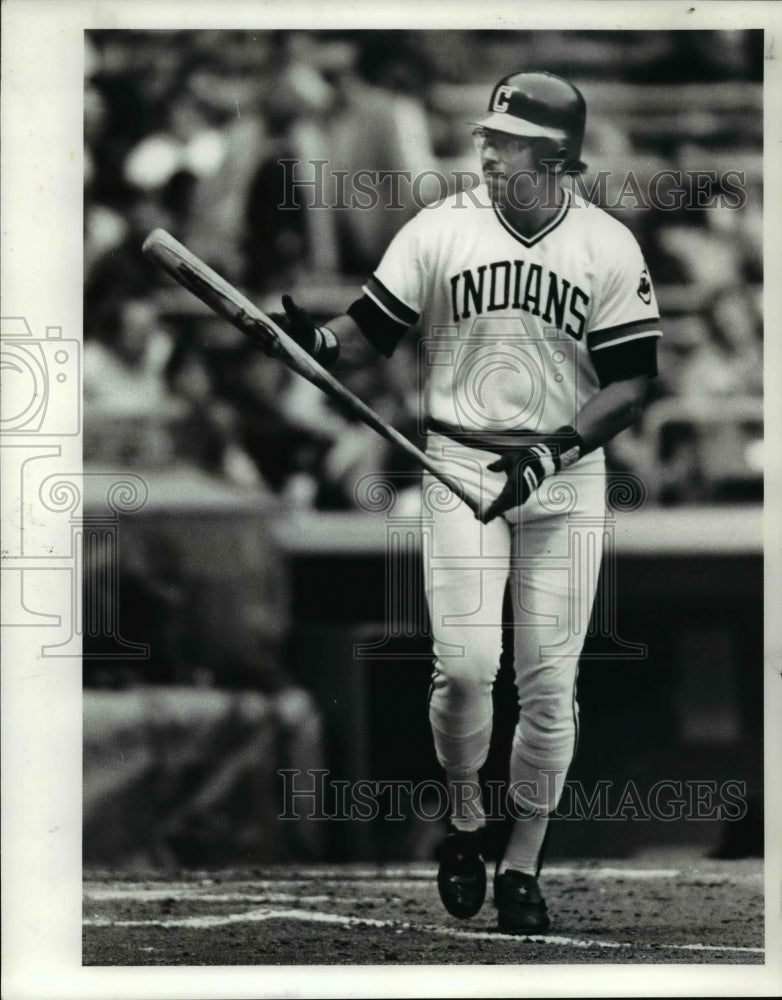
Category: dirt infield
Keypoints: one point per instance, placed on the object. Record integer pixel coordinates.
(694, 912)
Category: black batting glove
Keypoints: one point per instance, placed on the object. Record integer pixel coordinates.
(528, 466)
(317, 341)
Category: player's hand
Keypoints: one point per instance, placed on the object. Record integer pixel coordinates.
(527, 467)
(317, 341)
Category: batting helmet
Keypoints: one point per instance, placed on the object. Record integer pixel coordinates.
(539, 105)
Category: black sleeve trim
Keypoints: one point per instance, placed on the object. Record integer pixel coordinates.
(382, 332)
(398, 309)
(635, 357)
(601, 339)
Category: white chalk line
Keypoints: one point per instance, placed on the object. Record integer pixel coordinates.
(400, 879)
(429, 872)
(554, 871)
(176, 894)
(602, 871)
(257, 916)
(158, 895)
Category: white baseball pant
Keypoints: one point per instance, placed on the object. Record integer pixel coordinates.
(550, 549)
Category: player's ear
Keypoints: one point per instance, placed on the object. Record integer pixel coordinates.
(553, 157)
(560, 158)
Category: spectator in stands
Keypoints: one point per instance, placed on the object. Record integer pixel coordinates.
(129, 413)
(123, 368)
(735, 322)
(379, 123)
(210, 433)
(280, 421)
(169, 162)
(214, 226)
(281, 245)
(700, 56)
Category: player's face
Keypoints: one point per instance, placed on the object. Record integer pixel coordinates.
(504, 158)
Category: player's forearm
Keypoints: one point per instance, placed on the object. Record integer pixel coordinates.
(344, 328)
(337, 341)
(611, 411)
(354, 348)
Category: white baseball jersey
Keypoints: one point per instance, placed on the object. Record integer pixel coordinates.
(512, 326)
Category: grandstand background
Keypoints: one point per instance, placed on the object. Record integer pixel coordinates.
(246, 581)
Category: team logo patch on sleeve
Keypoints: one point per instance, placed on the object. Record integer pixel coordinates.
(644, 288)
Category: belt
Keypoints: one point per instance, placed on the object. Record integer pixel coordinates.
(485, 440)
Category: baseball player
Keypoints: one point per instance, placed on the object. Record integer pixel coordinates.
(539, 330)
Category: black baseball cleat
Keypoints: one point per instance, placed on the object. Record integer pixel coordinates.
(461, 878)
(520, 907)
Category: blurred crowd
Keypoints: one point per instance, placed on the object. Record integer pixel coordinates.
(191, 131)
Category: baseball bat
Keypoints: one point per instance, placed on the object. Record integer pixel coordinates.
(228, 302)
